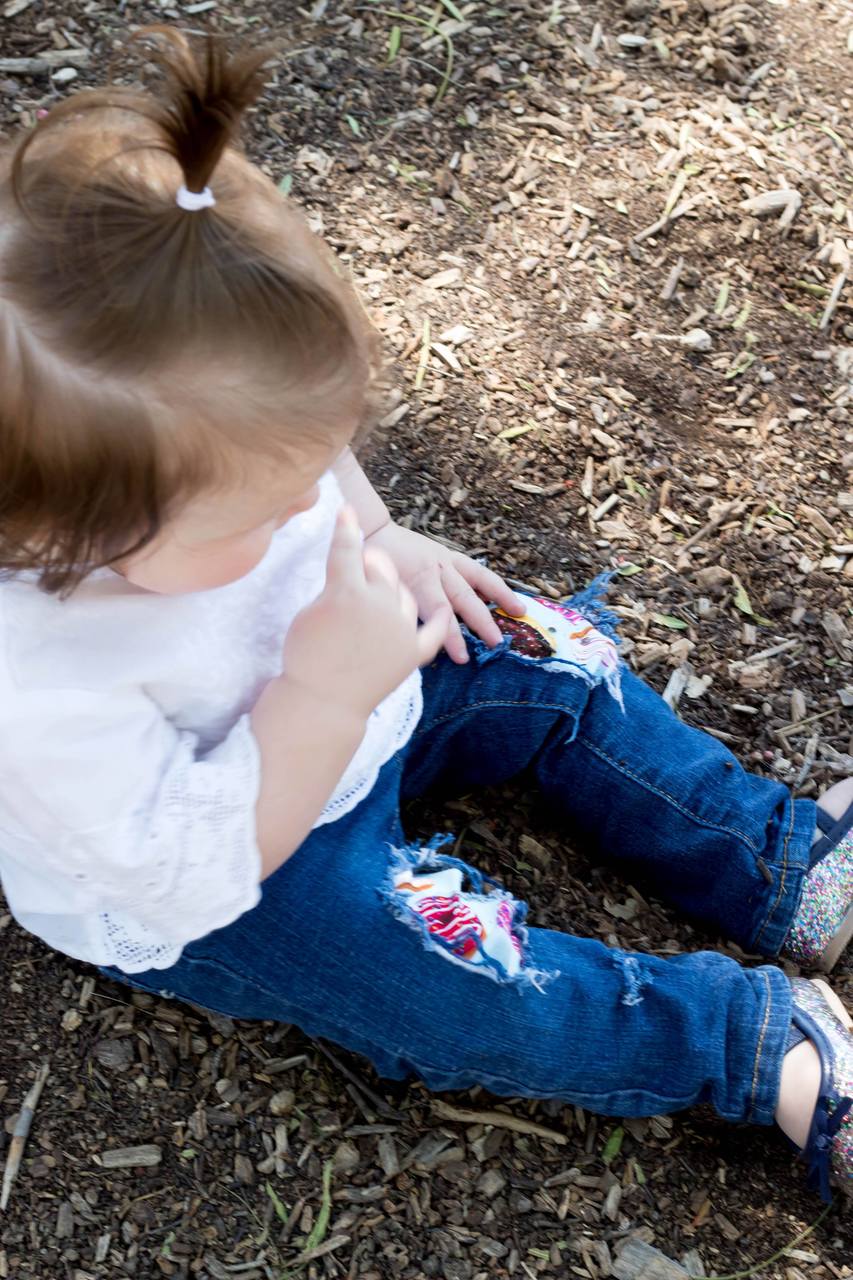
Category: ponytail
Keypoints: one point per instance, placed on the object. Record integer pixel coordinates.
(209, 92)
(209, 97)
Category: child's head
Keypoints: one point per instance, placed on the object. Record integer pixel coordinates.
(172, 382)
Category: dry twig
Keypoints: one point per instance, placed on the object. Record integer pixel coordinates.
(21, 1132)
(500, 1119)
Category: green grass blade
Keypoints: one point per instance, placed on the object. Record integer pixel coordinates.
(280, 1209)
(321, 1226)
(613, 1145)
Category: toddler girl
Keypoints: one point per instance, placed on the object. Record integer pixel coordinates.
(211, 706)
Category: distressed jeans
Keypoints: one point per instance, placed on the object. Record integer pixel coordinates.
(352, 937)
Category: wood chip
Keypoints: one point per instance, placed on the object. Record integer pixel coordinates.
(676, 685)
(553, 124)
(144, 1157)
(836, 628)
(44, 62)
(833, 300)
(637, 1260)
(458, 334)
(443, 279)
(329, 1246)
(785, 200)
(501, 1120)
(663, 222)
(588, 481)
(818, 520)
(729, 509)
(447, 355)
(607, 505)
(669, 288)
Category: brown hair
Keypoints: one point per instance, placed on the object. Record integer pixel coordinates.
(143, 347)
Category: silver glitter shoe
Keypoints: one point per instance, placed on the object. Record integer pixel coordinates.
(823, 925)
(828, 1152)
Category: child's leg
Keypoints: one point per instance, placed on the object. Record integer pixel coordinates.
(671, 803)
(727, 846)
(329, 949)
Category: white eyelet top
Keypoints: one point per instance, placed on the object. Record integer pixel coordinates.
(128, 770)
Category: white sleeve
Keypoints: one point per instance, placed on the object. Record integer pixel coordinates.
(108, 794)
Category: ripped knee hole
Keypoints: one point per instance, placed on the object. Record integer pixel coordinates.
(461, 914)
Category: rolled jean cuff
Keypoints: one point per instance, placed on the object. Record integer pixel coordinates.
(786, 873)
(771, 1044)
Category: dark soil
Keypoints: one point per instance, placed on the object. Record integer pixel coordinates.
(542, 422)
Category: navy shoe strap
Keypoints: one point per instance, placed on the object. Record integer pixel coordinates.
(834, 830)
(817, 1153)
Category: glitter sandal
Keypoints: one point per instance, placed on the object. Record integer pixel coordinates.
(822, 1019)
(823, 925)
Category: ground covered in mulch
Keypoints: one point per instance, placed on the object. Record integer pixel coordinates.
(613, 346)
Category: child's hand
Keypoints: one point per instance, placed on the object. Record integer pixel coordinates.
(360, 638)
(437, 577)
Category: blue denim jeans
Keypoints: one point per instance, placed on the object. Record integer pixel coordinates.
(330, 947)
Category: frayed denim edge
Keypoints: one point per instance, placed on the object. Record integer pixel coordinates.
(420, 858)
(590, 602)
(484, 653)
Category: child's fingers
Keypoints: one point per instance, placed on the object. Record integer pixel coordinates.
(345, 561)
(408, 604)
(455, 644)
(432, 596)
(431, 636)
(428, 590)
(469, 606)
(492, 587)
(379, 567)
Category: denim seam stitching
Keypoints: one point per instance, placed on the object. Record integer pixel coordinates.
(695, 817)
(782, 877)
(498, 702)
(760, 1046)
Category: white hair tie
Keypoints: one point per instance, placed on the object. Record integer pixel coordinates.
(192, 201)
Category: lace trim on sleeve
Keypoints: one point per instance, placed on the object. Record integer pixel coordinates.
(202, 867)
